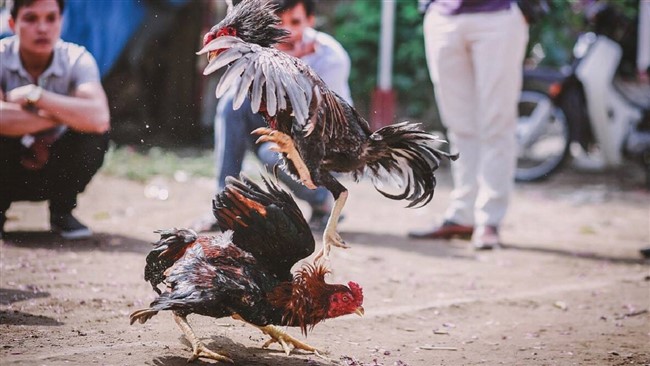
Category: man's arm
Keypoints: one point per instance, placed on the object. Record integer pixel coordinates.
(85, 111)
(17, 121)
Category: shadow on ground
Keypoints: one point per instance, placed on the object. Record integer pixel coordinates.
(574, 254)
(434, 248)
(15, 317)
(101, 241)
(9, 296)
(457, 249)
(243, 355)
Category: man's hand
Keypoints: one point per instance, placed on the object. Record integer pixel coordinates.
(18, 120)
(19, 95)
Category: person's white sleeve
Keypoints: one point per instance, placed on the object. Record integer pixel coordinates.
(334, 69)
(85, 70)
(332, 64)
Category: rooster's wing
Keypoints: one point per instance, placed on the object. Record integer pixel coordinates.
(276, 82)
(266, 223)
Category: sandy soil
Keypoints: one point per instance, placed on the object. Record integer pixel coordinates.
(568, 288)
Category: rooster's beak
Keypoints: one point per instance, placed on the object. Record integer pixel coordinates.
(359, 311)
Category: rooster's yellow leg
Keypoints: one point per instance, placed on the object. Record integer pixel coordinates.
(198, 348)
(285, 145)
(330, 235)
(287, 342)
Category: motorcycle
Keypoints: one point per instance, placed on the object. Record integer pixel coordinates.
(584, 110)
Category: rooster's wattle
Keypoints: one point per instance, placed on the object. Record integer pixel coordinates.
(245, 272)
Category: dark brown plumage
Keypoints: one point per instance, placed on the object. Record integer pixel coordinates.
(325, 134)
(245, 272)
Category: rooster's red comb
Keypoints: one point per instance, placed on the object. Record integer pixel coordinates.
(357, 291)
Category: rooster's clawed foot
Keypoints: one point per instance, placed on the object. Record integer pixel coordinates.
(287, 342)
(198, 348)
(331, 236)
(285, 145)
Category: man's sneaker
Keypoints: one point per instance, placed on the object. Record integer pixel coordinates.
(69, 227)
(486, 237)
(645, 252)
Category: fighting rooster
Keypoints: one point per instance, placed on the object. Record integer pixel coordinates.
(245, 272)
(316, 131)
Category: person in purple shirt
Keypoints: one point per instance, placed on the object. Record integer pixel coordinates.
(475, 51)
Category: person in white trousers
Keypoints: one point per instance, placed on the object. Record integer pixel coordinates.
(475, 53)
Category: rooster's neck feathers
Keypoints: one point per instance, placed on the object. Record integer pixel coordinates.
(306, 298)
(255, 22)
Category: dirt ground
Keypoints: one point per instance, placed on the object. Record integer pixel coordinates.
(568, 288)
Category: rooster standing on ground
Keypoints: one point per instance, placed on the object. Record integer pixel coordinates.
(316, 131)
(246, 271)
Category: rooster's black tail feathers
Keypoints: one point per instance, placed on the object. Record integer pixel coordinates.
(406, 154)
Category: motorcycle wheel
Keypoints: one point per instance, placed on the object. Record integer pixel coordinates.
(542, 137)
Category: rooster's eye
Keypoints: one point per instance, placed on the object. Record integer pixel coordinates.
(345, 299)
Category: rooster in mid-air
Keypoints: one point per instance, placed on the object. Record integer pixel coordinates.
(245, 272)
(316, 131)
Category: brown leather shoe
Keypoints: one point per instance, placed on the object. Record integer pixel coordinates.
(447, 230)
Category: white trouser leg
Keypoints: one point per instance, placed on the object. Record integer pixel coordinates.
(498, 85)
(452, 74)
(475, 61)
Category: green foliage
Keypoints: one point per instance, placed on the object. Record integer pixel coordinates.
(357, 27)
(557, 32)
(127, 162)
(358, 32)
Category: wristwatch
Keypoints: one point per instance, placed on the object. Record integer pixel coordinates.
(34, 95)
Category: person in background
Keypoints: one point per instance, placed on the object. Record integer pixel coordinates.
(475, 52)
(232, 127)
(55, 116)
